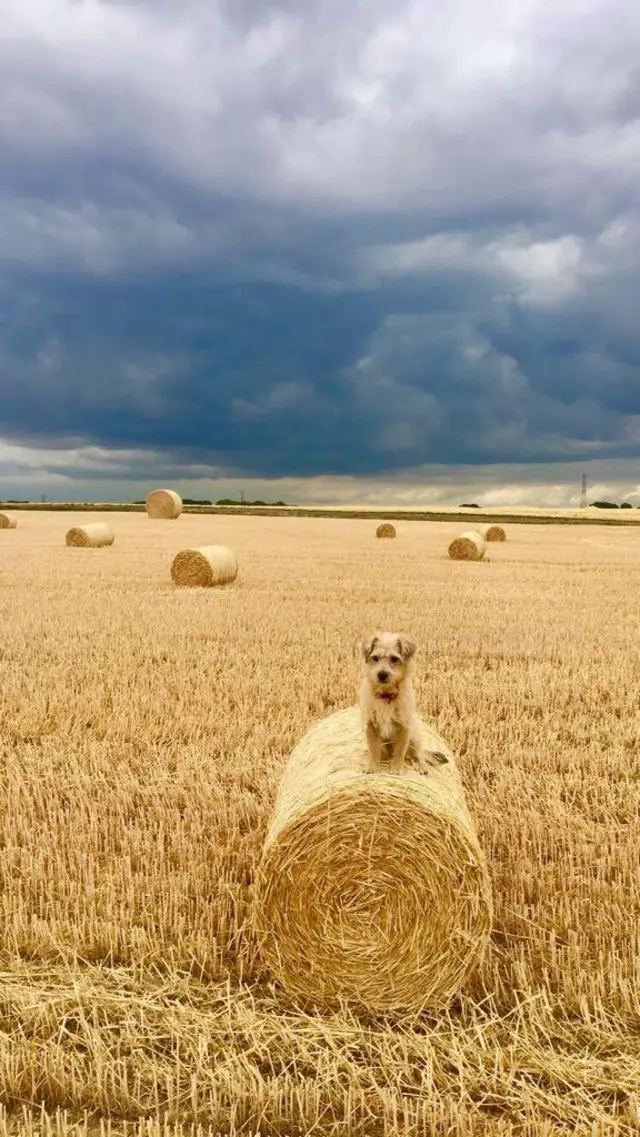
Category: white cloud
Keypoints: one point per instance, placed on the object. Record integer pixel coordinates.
(543, 271)
(438, 252)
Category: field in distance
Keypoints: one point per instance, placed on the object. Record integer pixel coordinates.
(591, 515)
(143, 733)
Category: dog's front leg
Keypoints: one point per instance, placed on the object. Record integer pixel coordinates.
(375, 747)
(400, 747)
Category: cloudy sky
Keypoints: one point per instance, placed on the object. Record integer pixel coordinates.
(375, 250)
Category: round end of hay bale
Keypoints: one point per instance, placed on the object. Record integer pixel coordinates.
(371, 898)
(370, 889)
(95, 535)
(76, 537)
(165, 505)
(7, 521)
(205, 567)
(467, 547)
(493, 533)
(386, 530)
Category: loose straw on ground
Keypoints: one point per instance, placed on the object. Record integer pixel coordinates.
(492, 533)
(205, 567)
(371, 888)
(8, 521)
(468, 546)
(164, 504)
(386, 530)
(91, 536)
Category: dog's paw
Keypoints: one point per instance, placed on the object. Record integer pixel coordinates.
(428, 759)
(436, 757)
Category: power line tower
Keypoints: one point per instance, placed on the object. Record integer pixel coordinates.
(583, 495)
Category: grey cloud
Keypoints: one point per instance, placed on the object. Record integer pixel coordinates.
(342, 106)
(86, 475)
(309, 238)
(268, 380)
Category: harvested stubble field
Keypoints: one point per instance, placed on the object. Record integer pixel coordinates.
(144, 731)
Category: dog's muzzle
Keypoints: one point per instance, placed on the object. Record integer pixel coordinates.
(387, 696)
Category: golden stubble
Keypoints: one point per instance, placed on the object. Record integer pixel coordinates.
(144, 730)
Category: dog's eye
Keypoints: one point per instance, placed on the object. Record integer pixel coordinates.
(375, 658)
(394, 658)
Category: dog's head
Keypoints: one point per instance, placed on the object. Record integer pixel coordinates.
(388, 658)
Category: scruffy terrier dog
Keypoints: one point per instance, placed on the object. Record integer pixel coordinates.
(388, 704)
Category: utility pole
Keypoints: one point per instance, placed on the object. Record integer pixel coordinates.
(583, 495)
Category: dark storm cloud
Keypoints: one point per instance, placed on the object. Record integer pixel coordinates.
(319, 238)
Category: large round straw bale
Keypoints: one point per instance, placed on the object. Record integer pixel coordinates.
(386, 530)
(164, 504)
(371, 888)
(214, 564)
(492, 533)
(8, 521)
(468, 546)
(91, 536)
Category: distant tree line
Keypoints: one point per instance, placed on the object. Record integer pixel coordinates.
(243, 501)
(221, 501)
(596, 504)
(613, 505)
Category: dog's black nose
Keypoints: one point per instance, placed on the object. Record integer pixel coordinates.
(383, 676)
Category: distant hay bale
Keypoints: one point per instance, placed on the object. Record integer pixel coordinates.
(8, 521)
(205, 567)
(371, 888)
(164, 504)
(386, 530)
(492, 532)
(91, 536)
(468, 546)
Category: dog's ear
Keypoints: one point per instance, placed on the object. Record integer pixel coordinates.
(368, 644)
(406, 647)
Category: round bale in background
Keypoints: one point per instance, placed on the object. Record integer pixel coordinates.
(205, 567)
(164, 504)
(468, 546)
(91, 536)
(386, 530)
(8, 521)
(492, 532)
(370, 888)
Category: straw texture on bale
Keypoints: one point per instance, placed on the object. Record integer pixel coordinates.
(493, 533)
(91, 536)
(371, 888)
(213, 564)
(8, 521)
(164, 504)
(386, 530)
(468, 546)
